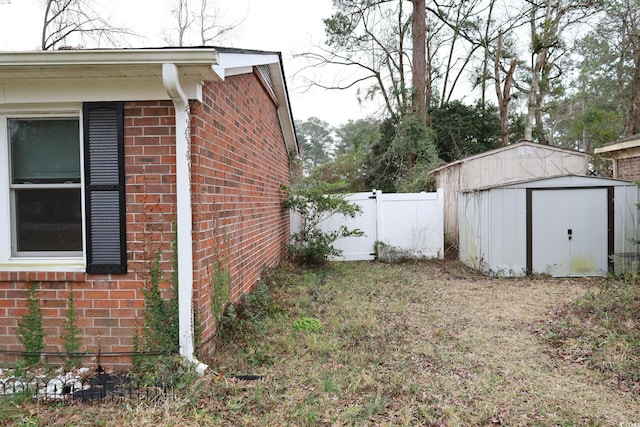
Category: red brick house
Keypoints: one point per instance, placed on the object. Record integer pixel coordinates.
(625, 155)
(107, 156)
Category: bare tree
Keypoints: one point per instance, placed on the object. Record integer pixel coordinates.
(460, 43)
(212, 25)
(473, 28)
(419, 75)
(64, 19)
(206, 26)
(503, 92)
(184, 19)
(370, 39)
(550, 20)
(626, 16)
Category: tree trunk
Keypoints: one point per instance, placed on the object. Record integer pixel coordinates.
(633, 120)
(503, 94)
(533, 90)
(486, 57)
(419, 37)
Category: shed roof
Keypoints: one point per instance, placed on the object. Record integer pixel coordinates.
(506, 148)
(564, 181)
(33, 69)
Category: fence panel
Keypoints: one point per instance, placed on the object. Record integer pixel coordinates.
(411, 225)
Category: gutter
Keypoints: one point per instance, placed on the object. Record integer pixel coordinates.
(107, 57)
(171, 81)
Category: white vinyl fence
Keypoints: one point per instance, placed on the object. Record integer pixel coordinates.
(410, 224)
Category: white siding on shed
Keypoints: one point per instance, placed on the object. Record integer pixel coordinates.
(493, 225)
(513, 163)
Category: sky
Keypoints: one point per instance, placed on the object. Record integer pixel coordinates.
(286, 26)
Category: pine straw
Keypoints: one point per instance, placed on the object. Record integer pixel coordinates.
(427, 343)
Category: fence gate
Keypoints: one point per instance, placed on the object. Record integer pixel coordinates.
(412, 223)
(357, 248)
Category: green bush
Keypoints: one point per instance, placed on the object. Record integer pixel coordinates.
(30, 327)
(71, 337)
(314, 202)
(160, 332)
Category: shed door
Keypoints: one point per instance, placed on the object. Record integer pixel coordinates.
(569, 231)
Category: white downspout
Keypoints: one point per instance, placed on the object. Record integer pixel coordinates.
(171, 81)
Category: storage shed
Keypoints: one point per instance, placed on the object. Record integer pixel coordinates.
(513, 163)
(562, 226)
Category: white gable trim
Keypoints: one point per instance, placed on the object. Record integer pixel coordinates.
(236, 63)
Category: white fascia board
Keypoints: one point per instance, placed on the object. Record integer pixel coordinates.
(284, 108)
(108, 57)
(235, 63)
(228, 72)
(623, 145)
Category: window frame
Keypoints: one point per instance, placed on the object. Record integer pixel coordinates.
(12, 194)
(10, 258)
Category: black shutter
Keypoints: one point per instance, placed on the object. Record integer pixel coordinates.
(104, 187)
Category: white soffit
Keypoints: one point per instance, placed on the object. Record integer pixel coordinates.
(85, 75)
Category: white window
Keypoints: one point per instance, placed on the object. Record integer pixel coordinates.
(62, 190)
(45, 186)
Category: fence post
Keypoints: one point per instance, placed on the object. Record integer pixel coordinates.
(379, 222)
(440, 193)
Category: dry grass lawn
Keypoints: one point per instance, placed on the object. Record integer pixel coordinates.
(425, 343)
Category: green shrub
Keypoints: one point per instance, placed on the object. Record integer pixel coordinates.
(220, 288)
(30, 328)
(160, 332)
(314, 202)
(71, 337)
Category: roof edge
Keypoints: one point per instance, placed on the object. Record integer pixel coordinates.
(546, 178)
(621, 144)
(58, 58)
(504, 148)
(210, 63)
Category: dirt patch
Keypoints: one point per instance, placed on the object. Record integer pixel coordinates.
(500, 370)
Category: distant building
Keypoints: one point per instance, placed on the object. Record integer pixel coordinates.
(625, 154)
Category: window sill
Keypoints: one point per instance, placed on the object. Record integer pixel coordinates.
(71, 265)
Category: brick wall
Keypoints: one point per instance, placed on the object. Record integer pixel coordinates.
(628, 169)
(239, 160)
(109, 307)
